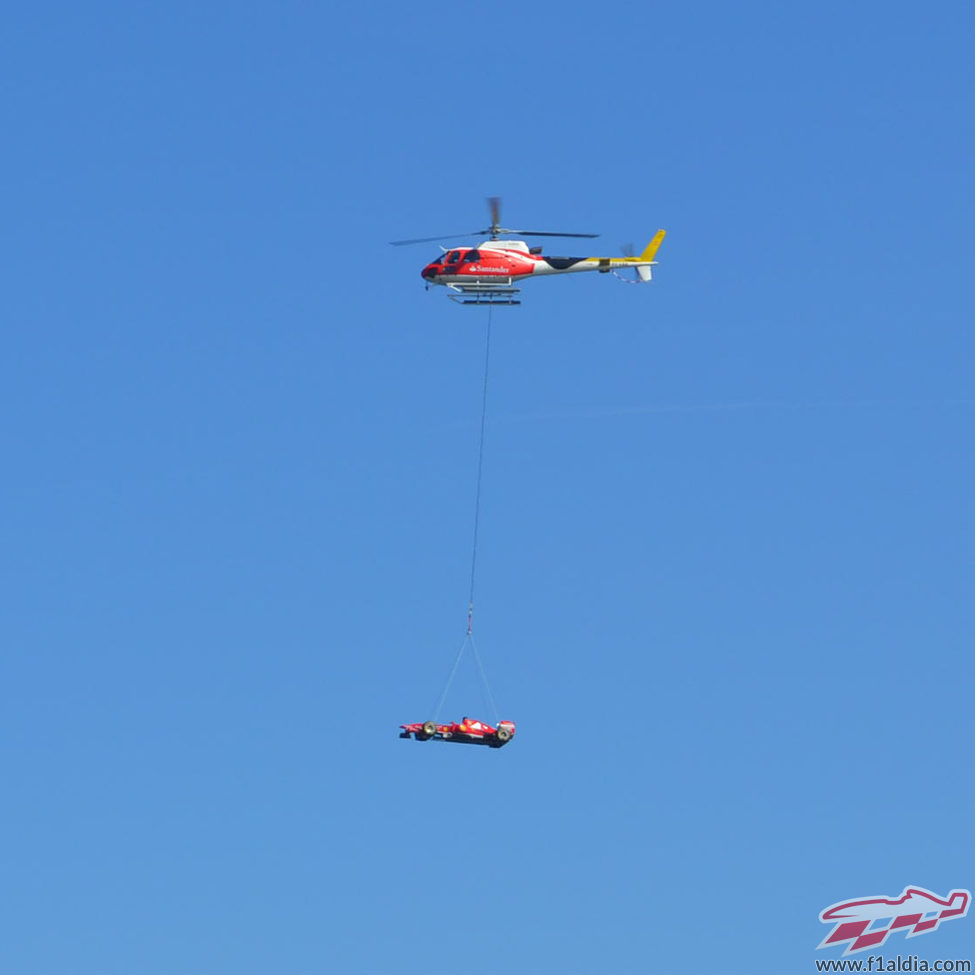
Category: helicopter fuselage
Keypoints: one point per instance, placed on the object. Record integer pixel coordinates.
(508, 260)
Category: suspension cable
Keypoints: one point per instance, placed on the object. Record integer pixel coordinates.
(480, 468)
(485, 686)
(469, 635)
(484, 680)
(450, 680)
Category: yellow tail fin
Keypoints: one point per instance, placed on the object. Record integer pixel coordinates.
(653, 246)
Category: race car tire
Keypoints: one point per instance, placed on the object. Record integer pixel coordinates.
(429, 729)
(504, 734)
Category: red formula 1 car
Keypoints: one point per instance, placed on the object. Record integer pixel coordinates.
(467, 731)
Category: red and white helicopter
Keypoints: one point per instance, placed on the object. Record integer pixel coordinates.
(486, 273)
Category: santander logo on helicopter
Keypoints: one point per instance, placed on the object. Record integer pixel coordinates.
(486, 273)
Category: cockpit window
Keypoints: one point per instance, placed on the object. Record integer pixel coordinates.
(472, 256)
(453, 257)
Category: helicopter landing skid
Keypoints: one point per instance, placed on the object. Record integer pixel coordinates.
(482, 293)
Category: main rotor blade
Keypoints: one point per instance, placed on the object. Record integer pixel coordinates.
(494, 204)
(427, 240)
(544, 233)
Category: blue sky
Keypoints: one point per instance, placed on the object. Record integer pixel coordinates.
(726, 559)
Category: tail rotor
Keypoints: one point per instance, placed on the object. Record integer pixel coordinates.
(629, 250)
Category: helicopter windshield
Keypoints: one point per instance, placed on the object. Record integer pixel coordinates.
(453, 257)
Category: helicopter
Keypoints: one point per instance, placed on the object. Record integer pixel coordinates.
(486, 273)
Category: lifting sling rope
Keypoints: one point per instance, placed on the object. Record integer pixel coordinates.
(469, 634)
